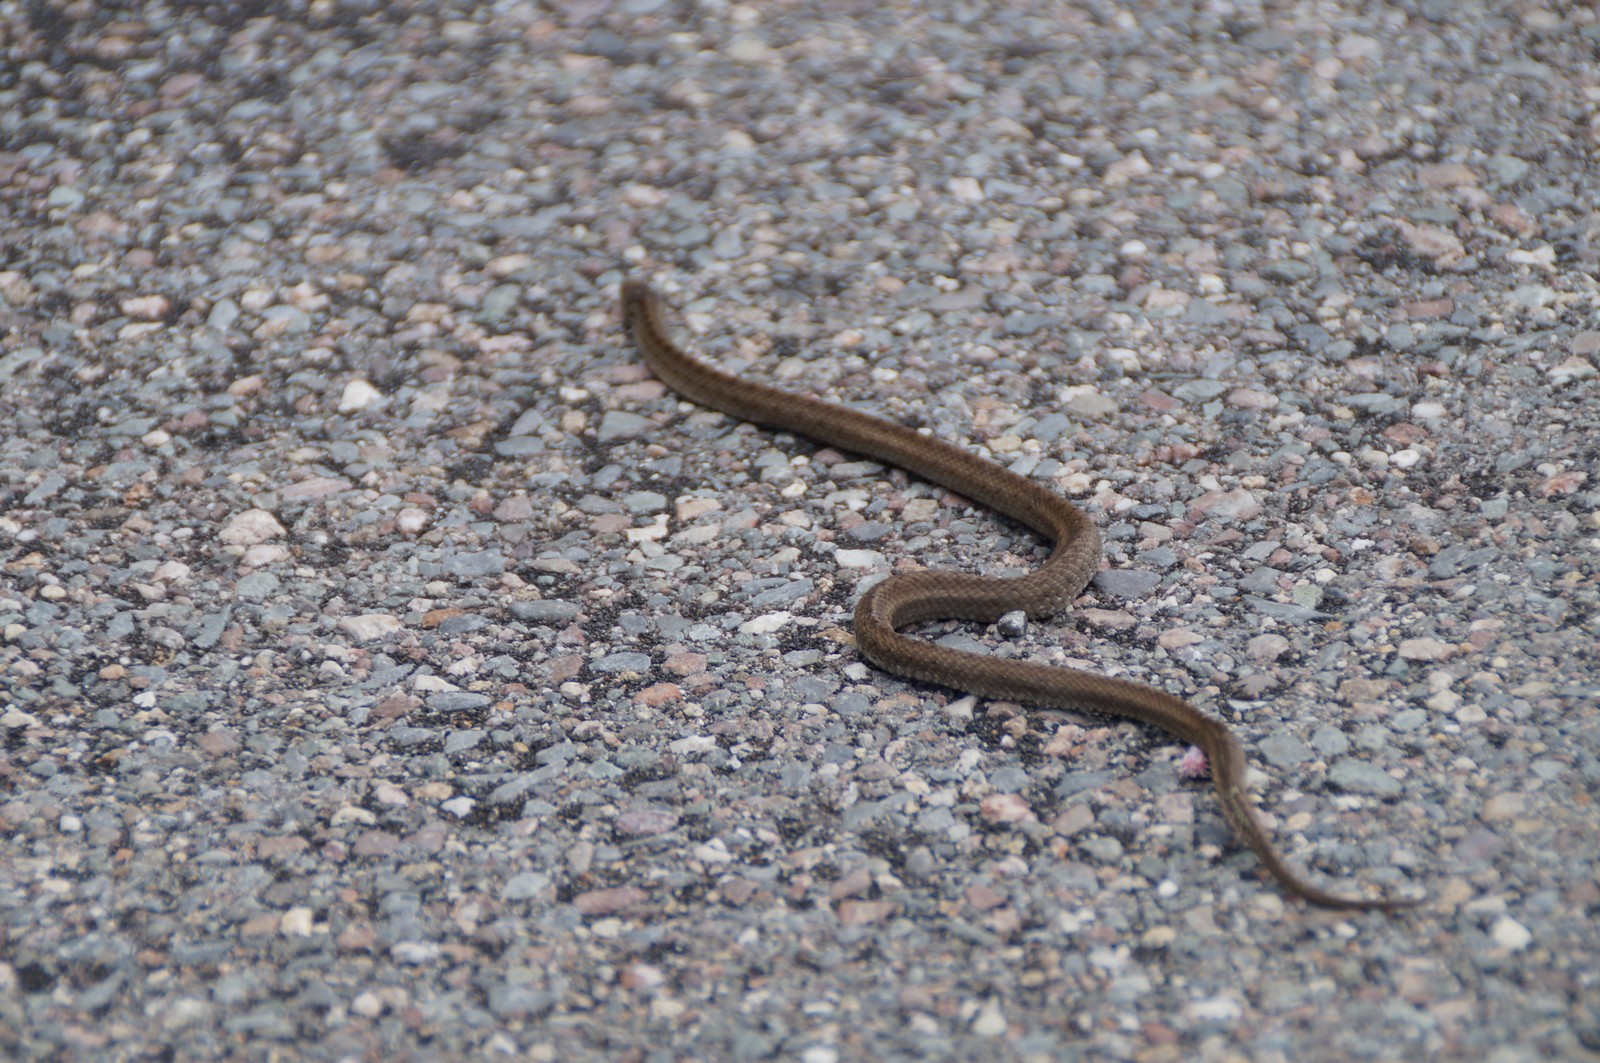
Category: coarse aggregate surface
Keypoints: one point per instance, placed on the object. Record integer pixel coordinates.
(391, 669)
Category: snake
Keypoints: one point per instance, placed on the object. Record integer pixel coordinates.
(904, 599)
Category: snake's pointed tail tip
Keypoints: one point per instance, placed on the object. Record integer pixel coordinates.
(1386, 905)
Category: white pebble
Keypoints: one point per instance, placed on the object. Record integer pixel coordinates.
(262, 555)
(1573, 368)
(1543, 256)
(991, 1021)
(432, 684)
(1215, 1009)
(749, 49)
(713, 852)
(359, 395)
(966, 188)
(506, 265)
(411, 520)
(296, 923)
(766, 625)
(146, 307)
(367, 1005)
(171, 572)
(1510, 934)
(391, 795)
(414, 952)
(370, 625)
(256, 300)
(185, 1011)
(1126, 169)
(1005, 808)
(859, 559)
(251, 527)
(656, 529)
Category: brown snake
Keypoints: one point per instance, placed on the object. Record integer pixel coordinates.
(910, 597)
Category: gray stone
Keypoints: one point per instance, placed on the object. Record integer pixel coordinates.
(625, 661)
(1126, 582)
(1360, 777)
(619, 424)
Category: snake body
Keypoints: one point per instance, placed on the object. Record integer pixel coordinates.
(907, 598)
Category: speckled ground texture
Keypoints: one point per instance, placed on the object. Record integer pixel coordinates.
(393, 670)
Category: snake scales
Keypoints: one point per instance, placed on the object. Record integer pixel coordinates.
(908, 598)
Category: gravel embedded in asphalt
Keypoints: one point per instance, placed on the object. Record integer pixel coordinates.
(392, 668)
